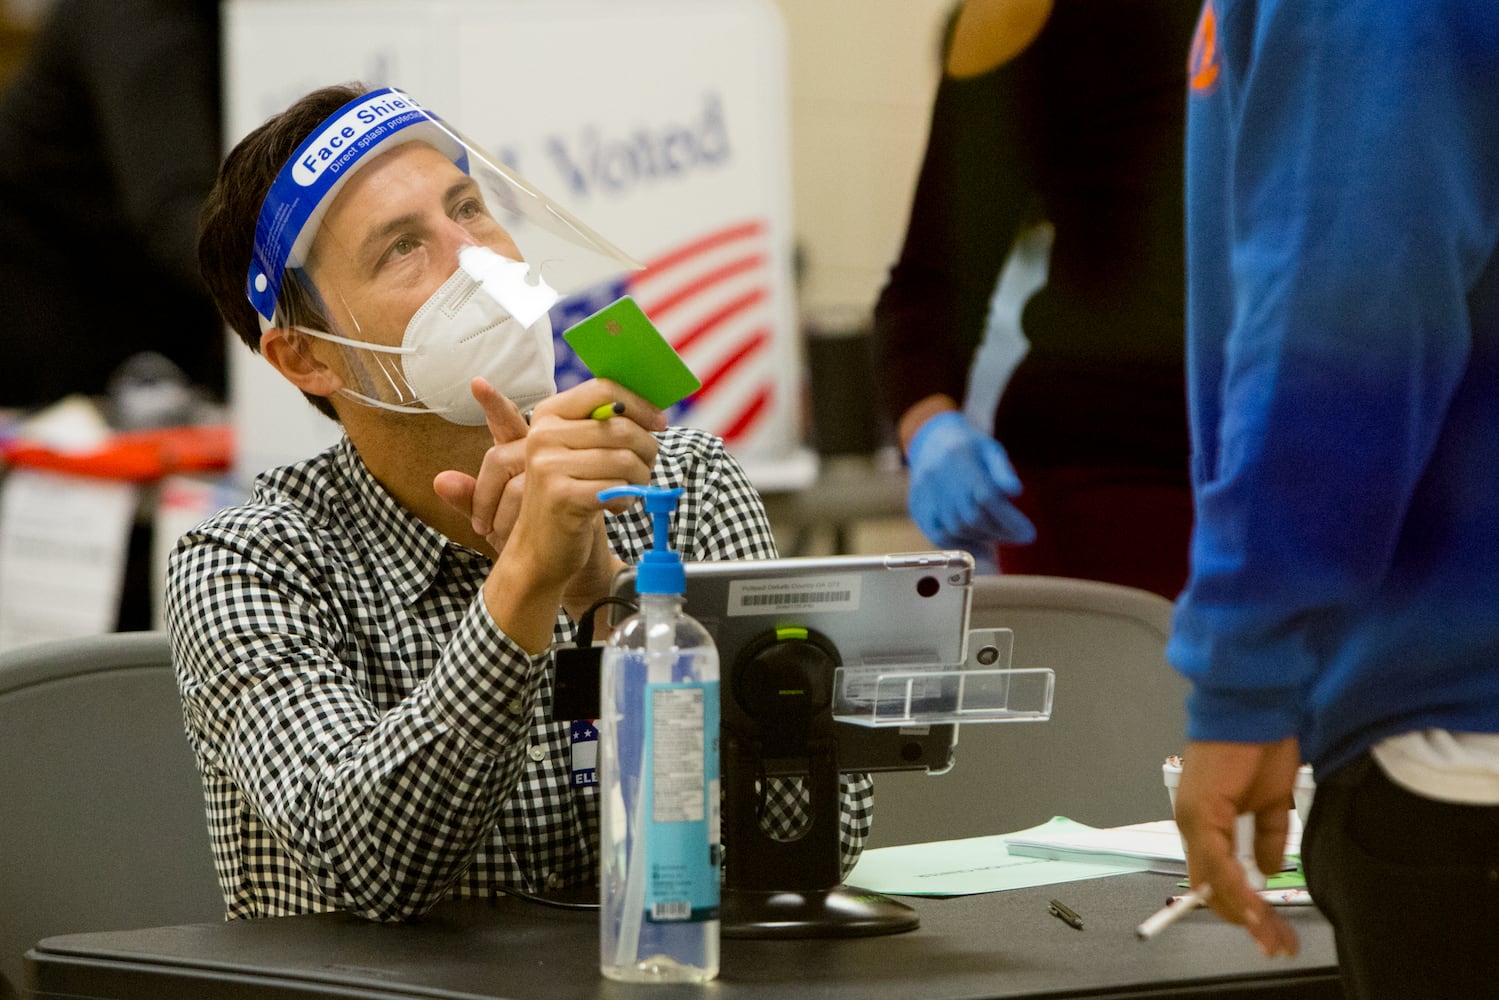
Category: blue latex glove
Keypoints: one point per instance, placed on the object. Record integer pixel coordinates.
(961, 484)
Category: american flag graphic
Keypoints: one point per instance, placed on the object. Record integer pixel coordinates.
(710, 298)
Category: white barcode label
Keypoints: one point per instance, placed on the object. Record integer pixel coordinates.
(671, 910)
(801, 593)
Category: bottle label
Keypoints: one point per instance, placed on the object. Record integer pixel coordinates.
(681, 796)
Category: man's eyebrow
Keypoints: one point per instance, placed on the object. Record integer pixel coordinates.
(463, 185)
(390, 227)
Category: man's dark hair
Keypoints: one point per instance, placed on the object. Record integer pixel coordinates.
(226, 230)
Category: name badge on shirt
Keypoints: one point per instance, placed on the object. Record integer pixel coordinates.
(585, 739)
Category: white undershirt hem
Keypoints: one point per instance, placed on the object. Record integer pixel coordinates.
(1449, 767)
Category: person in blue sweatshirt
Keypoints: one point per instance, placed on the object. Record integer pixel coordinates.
(1343, 367)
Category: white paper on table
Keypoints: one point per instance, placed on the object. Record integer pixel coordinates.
(1156, 844)
(972, 865)
(63, 544)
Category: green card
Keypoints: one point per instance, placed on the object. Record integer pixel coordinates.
(620, 343)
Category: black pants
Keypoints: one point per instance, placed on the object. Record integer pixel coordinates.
(1410, 884)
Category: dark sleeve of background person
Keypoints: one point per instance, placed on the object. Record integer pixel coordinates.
(109, 140)
(972, 195)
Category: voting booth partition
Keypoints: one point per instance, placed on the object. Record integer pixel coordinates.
(662, 124)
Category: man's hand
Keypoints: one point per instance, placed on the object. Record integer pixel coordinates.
(491, 500)
(570, 457)
(535, 499)
(1219, 782)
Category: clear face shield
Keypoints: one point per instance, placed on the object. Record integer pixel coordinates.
(421, 258)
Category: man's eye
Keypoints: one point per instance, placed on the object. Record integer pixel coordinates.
(402, 246)
(469, 210)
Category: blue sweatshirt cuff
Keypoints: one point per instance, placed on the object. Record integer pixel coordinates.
(1242, 716)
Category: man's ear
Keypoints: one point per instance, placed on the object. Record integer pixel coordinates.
(290, 352)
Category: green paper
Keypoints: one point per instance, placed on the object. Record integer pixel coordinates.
(620, 343)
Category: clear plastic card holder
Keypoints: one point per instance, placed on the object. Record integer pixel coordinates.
(984, 689)
(930, 695)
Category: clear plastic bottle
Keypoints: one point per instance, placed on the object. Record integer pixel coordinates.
(658, 779)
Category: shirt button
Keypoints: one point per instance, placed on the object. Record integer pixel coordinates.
(513, 706)
(554, 881)
(537, 753)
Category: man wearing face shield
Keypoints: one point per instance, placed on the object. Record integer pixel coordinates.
(363, 649)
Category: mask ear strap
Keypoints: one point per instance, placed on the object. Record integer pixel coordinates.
(381, 404)
(334, 338)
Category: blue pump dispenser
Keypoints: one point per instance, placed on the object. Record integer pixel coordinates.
(660, 570)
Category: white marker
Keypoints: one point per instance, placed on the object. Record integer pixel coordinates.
(1172, 912)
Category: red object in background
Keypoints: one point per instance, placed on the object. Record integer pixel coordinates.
(137, 456)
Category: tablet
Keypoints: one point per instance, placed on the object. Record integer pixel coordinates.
(908, 608)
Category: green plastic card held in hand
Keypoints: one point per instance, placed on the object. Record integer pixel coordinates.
(621, 344)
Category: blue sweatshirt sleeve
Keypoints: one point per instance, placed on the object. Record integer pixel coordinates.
(1336, 156)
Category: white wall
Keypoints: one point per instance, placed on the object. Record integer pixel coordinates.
(863, 73)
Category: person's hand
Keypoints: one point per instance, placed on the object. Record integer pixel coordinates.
(1219, 782)
(535, 499)
(491, 500)
(961, 484)
(569, 458)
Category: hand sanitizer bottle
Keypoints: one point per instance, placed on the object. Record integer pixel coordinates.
(658, 778)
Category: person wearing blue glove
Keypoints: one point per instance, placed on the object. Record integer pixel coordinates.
(961, 485)
(1067, 113)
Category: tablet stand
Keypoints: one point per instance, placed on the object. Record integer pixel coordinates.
(781, 724)
(792, 889)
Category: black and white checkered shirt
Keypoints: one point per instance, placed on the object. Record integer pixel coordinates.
(369, 740)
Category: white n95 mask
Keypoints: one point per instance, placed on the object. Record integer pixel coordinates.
(460, 332)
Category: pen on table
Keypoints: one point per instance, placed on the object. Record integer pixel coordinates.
(1172, 912)
(606, 410)
(1065, 913)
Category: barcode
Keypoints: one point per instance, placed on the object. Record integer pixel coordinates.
(805, 597)
(673, 910)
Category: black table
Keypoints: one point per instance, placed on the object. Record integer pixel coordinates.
(997, 945)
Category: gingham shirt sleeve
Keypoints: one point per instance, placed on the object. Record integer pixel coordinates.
(379, 811)
(724, 518)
